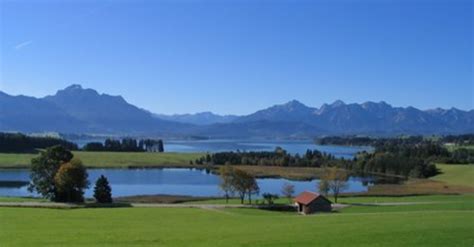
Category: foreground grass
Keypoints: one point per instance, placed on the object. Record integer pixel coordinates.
(416, 225)
(110, 159)
(456, 174)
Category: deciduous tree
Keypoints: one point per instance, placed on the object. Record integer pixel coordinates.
(288, 190)
(44, 169)
(70, 182)
(226, 174)
(336, 179)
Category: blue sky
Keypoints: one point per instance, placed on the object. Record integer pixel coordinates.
(240, 56)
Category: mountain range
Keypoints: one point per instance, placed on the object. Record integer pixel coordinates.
(78, 110)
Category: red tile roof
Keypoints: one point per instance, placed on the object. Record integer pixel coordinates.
(306, 197)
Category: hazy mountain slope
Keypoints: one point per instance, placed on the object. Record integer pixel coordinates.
(78, 110)
(108, 113)
(28, 114)
(293, 111)
(367, 118)
(260, 129)
(201, 118)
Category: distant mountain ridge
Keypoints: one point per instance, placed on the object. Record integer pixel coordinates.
(200, 118)
(78, 110)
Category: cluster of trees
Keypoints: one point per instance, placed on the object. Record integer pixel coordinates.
(236, 181)
(58, 176)
(466, 139)
(370, 141)
(126, 145)
(19, 143)
(405, 158)
(460, 156)
(408, 157)
(394, 164)
(312, 158)
(411, 156)
(345, 140)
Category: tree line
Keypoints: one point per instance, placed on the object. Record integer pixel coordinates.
(279, 157)
(126, 145)
(407, 157)
(20, 143)
(410, 158)
(465, 139)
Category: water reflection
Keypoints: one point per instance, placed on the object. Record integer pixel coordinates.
(178, 181)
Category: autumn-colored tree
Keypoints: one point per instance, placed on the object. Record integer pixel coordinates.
(70, 181)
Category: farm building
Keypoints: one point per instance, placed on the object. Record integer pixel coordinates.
(310, 202)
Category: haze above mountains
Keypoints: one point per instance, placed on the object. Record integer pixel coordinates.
(85, 111)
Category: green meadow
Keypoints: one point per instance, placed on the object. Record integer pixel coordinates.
(447, 223)
(109, 159)
(456, 174)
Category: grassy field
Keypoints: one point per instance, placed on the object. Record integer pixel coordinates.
(110, 159)
(447, 223)
(456, 174)
(15, 160)
(143, 159)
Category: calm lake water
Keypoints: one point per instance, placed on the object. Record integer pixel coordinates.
(192, 182)
(221, 145)
(292, 147)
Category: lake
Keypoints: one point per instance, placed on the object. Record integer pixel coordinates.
(292, 147)
(172, 181)
(223, 145)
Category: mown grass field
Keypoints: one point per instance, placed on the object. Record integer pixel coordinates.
(456, 174)
(448, 223)
(110, 159)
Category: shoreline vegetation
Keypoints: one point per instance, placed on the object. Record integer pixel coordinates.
(447, 183)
